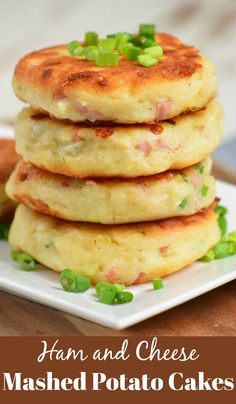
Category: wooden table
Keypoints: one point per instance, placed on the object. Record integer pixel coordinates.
(212, 314)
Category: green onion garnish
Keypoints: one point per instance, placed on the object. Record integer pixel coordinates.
(154, 51)
(147, 29)
(224, 249)
(227, 244)
(49, 244)
(101, 285)
(72, 46)
(122, 38)
(183, 203)
(74, 283)
(14, 254)
(221, 210)
(147, 60)
(107, 295)
(91, 52)
(204, 190)
(132, 52)
(149, 42)
(157, 284)
(26, 262)
(200, 168)
(83, 283)
(232, 236)
(119, 287)
(137, 41)
(68, 280)
(124, 297)
(79, 51)
(4, 231)
(107, 44)
(105, 58)
(91, 38)
(210, 256)
(142, 47)
(222, 222)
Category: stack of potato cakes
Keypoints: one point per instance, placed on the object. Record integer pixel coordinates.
(115, 178)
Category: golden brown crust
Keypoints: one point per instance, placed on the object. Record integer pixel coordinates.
(8, 158)
(54, 69)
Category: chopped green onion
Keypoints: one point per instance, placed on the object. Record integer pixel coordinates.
(100, 285)
(91, 38)
(183, 203)
(50, 244)
(107, 295)
(222, 222)
(221, 210)
(79, 52)
(72, 46)
(157, 283)
(210, 256)
(147, 29)
(107, 44)
(122, 38)
(154, 51)
(132, 52)
(232, 236)
(91, 52)
(83, 283)
(119, 287)
(68, 280)
(124, 297)
(4, 231)
(26, 262)
(204, 190)
(71, 282)
(137, 41)
(121, 35)
(224, 249)
(185, 177)
(105, 58)
(149, 43)
(200, 168)
(147, 60)
(14, 254)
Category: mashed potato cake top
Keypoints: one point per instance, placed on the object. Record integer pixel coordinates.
(73, 88)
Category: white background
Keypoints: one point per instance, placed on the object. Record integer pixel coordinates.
(208, 24)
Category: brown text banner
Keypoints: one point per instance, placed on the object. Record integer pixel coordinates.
(70, 369)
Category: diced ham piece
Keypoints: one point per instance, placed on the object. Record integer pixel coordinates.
(112, 275)
(140, 277)
(104, 132)
(161, 145)
(145, 147)
(163, 250)
(162, 110)
(144, 187)
(196, 179)
(59, 96)
(91, 116)
(76, 137)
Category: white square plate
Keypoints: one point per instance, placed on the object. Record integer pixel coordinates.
(43, 286)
